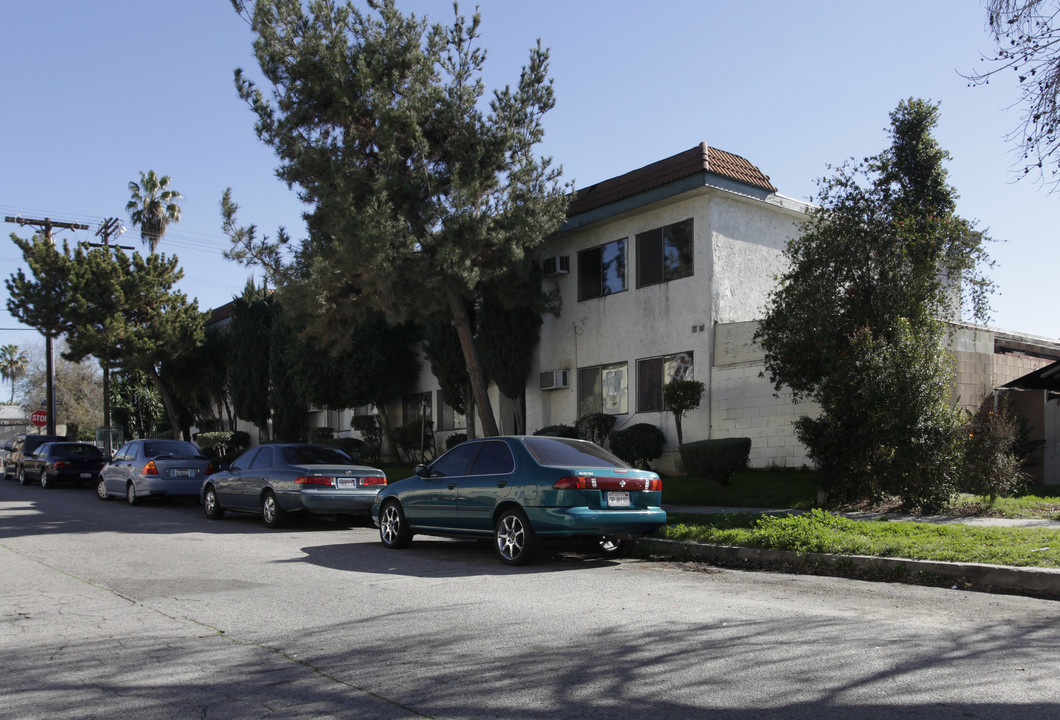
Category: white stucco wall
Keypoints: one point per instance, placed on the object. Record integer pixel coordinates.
(738, 242)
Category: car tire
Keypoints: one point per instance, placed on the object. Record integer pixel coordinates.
(101, 490)
(272, 514)
(21, 475)
(210, 504)
(130, 494)
(514, 538)
(617, 547)
(45, 481)
(394, 531)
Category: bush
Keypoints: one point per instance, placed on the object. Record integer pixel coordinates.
(595, 427)
(992, 465)
(682, 396)
(455, 439)
(638, 444)
(565, 431)
(223, 444)
(348, 445)
(322, 435)
(715, 459)
(372, 433)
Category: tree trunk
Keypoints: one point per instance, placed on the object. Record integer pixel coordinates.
(167, 400)
(462, 323)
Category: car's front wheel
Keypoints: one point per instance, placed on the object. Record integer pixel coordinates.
(271, 513)
(101, 490)
(21, 474)
(210, 506)
(514, 538)
(393, 527)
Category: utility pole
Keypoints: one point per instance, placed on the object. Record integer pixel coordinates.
(107, 228)
(46, 226)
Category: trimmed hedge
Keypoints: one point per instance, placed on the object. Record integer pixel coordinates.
(715, 459)
(638, 444)
(565, 431)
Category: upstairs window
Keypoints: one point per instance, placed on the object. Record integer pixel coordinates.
(602, 270)
(665, 254)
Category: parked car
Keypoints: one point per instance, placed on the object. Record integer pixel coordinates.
(18, 449)
(276, 479)
(56, 462)
(153, 468)
(520, 491)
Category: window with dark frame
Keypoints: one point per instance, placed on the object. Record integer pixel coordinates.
(654, 373)
(665, 253)
(603, 388)
(602, 270)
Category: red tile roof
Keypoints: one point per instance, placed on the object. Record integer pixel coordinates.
(701, 158)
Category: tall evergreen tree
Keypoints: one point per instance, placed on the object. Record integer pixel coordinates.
(251, 346)
(878, 264)
(418, 193)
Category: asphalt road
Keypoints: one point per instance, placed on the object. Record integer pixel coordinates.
(111, 611)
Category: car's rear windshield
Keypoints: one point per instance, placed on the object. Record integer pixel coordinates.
(76, 450)
(570, 453)
(315, 455)
(159, 448)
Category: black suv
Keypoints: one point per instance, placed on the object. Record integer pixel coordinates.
(17, 450)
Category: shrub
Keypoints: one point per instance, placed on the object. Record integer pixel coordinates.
(566, 431)
(992, 465)
(350, 446)
(715, 459)
(322, 435)
(681, 396)
(222, 444)
(455, 439)
(595, 427)
(638, 444)
(371, 432)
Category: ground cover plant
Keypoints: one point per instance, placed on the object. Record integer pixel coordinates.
(822, 532)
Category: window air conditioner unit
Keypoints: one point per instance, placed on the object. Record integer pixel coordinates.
(556, 265)
(555, 380)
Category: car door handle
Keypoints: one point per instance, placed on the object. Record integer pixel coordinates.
(452, 486)
(502, 483)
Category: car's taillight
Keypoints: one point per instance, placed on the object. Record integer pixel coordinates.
(150, 469)
(61, 464)
(381, 480)
(591, 482)
(210, 469)
(314, 480)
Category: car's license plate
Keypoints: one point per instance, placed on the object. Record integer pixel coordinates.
(346, 482)
(618, 499)
(86, 476)
(183, 472)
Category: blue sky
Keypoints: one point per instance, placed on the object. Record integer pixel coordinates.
(94, 93)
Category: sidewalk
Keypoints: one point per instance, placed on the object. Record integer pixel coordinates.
(1036, 581)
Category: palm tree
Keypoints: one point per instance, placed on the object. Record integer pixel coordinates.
(13, 363)
(153, 206)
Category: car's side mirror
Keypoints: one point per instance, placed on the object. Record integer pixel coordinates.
(420, 470)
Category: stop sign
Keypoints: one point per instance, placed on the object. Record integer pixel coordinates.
(39, 418)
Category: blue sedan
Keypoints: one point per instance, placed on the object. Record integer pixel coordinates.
(519, 491)
(277, 479)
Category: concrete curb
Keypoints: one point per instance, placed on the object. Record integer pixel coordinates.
(1028, 580)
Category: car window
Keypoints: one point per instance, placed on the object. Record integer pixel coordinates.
(315, 455)
(158, 448)
(494, 459)
(572, 453)
(456, 462)
(243, 461)
(75, 450)
(122, 453)
(263, 459)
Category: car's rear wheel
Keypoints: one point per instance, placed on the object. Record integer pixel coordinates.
(393, 527)
(617, 547)
(271, 513)
(130, 494)
(45, 481)
(101, 490)
(210, 506)
(514, 539)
